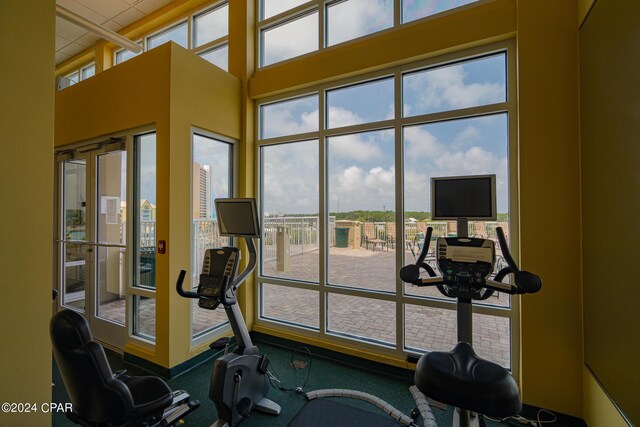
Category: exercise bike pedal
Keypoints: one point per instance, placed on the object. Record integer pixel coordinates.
(244, 407)
(220, 343)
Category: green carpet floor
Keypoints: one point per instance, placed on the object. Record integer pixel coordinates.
(323, 373)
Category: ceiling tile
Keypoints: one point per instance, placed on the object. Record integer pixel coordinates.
(129, 16)
(68, 30)
(132, 2)
(88, 40)
(72, 49)
(108, 9)
(112, 25)
(61, 42)
(61, 57)
(86, 12)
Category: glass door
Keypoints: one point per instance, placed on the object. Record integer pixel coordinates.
(92, 240)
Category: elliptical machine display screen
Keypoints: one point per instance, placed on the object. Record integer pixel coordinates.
(465, 262)
(218, 264)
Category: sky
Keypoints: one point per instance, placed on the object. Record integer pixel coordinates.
(361, 167)
(346, 20)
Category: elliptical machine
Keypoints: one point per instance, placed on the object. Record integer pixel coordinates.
(239, 381)
(460, 377)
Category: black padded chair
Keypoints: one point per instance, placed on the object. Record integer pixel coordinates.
(463, 379)
(99, 397)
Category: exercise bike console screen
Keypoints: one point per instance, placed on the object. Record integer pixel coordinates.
(237, 217)
(470, 197)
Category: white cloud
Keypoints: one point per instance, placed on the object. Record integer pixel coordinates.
(339, 116)
(291, 39)
(354, 188)
(354, 147)
(355, 18)
(445, 88)
(279, 119)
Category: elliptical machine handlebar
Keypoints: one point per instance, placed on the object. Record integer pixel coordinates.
(525, 282)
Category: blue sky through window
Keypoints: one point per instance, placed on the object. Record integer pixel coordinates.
(361, 103)
(469, 84)
(416, 9)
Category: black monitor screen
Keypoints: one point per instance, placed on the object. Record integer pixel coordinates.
(237, 217)
(471, 197)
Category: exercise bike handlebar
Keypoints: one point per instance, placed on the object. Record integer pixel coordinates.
(525, 282)
(181, 291)
(253, 259)
(234, 285)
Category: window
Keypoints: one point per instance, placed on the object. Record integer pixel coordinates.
(337, 162)
(218, 56)
(290, 28)
(144, 236)
(210, 25)
(123, 55)
(207, 36)
(78, 75)
(347, 20)
(177, 34)
(416, 9)
(211, 178)
(292, 38)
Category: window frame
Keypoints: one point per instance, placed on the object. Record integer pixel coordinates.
(189, 18)
(224, 327)
(398, 123)
(134, 290)
(320, 6)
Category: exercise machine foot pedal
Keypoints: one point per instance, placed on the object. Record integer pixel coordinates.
(220, 343)
(244, 407)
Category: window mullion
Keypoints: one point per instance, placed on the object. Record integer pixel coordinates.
(324, 214)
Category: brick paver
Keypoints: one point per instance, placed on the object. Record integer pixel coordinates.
(425, 327)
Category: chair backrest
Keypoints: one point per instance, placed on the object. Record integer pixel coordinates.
(95, 394)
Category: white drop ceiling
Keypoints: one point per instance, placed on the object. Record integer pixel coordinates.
(112, 14)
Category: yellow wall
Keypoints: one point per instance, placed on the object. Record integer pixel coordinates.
(550, 239)
(599, 411)
(183, 91)
(204, 96)
(584, 6)
(26, 200)
(610, 123)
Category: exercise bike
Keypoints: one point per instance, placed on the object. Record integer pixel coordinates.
(460, 377)
(239, 381)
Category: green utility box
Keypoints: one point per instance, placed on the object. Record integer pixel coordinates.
(342, 237)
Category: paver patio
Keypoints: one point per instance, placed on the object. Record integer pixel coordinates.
(372, 319)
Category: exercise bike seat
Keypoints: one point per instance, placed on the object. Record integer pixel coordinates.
(99, 397)
(462, 379)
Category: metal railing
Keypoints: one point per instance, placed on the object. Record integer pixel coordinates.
(303, 234)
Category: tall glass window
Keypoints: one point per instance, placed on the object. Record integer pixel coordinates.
(144, 236)
(372, 146)
(211, 169)
(145, 211)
